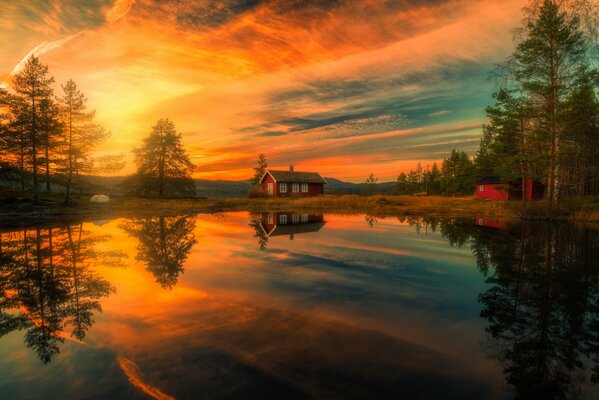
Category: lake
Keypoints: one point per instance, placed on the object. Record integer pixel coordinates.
(295, 305)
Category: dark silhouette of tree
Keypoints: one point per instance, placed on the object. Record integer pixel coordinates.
(164, 245)
(371, 220)
(256, 224)
(260, 169)
(541, 304)
(85, 286)
(163, 167)
(81, 134)
(33, 84)
(51, 136)
(47, 286)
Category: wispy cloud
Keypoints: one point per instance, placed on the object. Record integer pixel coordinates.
(119, 9)
(40, 50)
(439, 113)
(322, 84)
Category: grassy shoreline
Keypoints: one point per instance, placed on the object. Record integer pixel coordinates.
(19, 213)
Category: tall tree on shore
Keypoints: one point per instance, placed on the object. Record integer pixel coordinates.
(81, 134)
(33, 84)
(260, 169)
(163, 162)
(75, 116)
(545, 65)
(51, 129)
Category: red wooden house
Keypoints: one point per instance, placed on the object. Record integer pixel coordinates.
(292, 183)
(494, 188)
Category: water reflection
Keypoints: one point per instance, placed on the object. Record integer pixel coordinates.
(542, 302)
(164, 245)
(48, 285)
(269, 224)
(343, 311)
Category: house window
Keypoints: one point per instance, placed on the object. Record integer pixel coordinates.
(295, 188)
(283, 188)
(481, 188)
(304, 188)
(304, 218)
(283, 219)
(270, 219)
(269, 187)
(295, 218)
(481, 221)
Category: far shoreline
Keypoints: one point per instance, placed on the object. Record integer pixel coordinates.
(19, 213)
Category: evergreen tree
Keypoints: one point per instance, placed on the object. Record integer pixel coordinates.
(163, 167)
(546, 65)
(51, 136)
(260, 169)
(32, 85)
(81, 135)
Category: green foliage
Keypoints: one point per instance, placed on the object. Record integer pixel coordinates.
(420, 181)
(458, 175)
(544, 122)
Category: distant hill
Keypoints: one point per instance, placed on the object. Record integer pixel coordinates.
(221, 188)
(336, 186)
(113, 185)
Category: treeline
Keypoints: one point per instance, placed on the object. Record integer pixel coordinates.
(46, 137)
(48, 286)
(544, 124)
(457, 175)
(47, 141)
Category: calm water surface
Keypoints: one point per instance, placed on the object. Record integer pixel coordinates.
(284, 305)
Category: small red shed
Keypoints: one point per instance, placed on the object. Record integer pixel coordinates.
(292, 183)
(494, 188)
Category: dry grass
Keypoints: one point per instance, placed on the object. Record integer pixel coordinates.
(21, 212)
(379, 205)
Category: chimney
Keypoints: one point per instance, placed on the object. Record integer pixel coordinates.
(291, 168)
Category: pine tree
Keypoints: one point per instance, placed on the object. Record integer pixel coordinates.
(546, 64)
(32, 85)
(51, 130)
(163, 162)
(260, 169)
(75, 118)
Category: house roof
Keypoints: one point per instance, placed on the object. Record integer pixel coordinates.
(295, 177)
(490, 180)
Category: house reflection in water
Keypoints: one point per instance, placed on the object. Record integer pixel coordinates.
(491, 223)
(288, 223)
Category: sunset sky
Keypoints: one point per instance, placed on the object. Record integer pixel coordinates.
(342, 87)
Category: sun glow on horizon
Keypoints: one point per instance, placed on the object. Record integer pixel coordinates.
(343, 88)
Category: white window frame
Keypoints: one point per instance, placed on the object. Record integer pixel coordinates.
(295, 187)
(295, 218)
(283, 219)
(305, 218)
(283, 187)
(304, 188)
(481, 188)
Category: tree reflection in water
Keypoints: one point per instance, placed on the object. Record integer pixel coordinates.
(164, 245)
(48, 285)
(542, 303)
